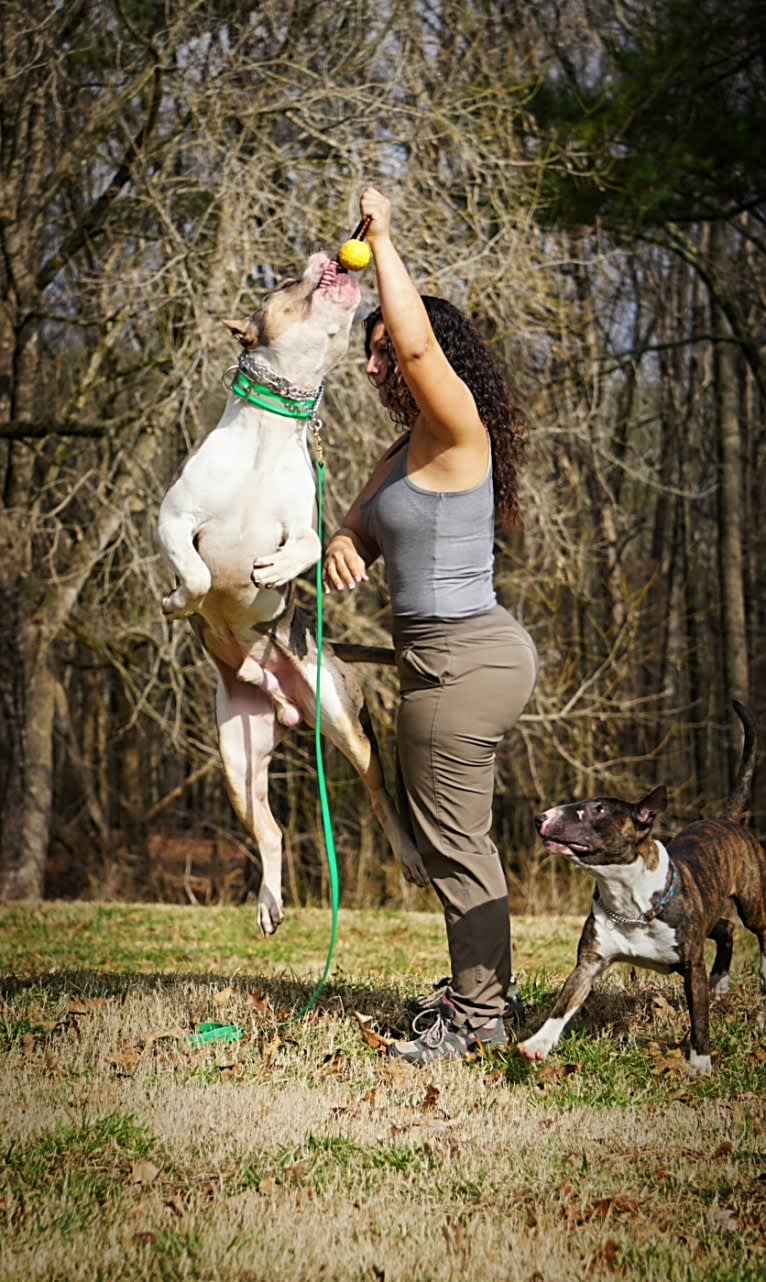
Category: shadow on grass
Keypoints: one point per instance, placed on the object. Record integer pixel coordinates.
(285, 994)
(616, 1012)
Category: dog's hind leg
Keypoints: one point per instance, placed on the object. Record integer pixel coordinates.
(347, 726)
(248, 732)
(723, 934)
(750, 902)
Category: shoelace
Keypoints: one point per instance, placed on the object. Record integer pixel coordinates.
(438, 1030)
(425, 1020)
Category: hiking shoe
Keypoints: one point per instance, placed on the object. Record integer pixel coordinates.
(427, 1005)
(444, 1040)
(423, 1010)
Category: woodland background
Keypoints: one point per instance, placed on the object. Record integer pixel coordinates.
(587, 179)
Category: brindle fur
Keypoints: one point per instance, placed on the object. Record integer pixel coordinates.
(722, 868)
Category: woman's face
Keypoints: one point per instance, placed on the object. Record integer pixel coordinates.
(385, 376)
(379, 364)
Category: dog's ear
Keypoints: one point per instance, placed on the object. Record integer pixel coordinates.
(245, 332)
(651, 806)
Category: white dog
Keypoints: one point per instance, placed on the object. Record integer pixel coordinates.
(237, 527)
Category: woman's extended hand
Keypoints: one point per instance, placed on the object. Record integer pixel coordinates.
(343, 566)
(377, 207)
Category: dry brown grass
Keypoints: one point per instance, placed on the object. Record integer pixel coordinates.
(300, 1152)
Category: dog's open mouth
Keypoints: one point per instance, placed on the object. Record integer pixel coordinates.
(557, 846)
(337, 283)
(332, 274)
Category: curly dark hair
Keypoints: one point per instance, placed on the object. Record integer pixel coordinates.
(499, 409)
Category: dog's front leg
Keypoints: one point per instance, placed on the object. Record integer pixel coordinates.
(300, 550)
(176, 532)
(698, 1001)
(573, 994)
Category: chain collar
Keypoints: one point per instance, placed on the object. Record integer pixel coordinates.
(259, 385)
(658, 901)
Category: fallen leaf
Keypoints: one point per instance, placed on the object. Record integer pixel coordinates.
(261, 1005)
(296, 1174)
(721, 1219)
(163, 1035)
(607, 1257)
(725, 1149)
(223, 997)
(606, 1206)
(126, 1061)
(143, 1172)
(662, 1007)
(88, 1005)
(671, 1063)
(431, 1097)
(269, 1051)
(369, 1037)
(549, 1073)
(337, 1062)
(232, 1070)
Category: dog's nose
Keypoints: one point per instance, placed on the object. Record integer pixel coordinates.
(539, 821)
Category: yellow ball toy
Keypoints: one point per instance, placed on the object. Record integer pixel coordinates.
(354, 255)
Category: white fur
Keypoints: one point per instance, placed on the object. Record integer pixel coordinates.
(236, 527)
(700, 1063)
(627, 889)
(541, 1043)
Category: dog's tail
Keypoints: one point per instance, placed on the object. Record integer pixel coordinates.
(736, 802)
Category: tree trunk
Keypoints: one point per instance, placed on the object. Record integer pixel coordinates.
(29, 685)
(731, 541)
(26, 803)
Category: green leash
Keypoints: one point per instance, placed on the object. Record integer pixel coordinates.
(326, 817)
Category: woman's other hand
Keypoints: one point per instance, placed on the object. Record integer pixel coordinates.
(343, 566)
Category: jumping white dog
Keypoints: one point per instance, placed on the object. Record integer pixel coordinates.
(237, 526)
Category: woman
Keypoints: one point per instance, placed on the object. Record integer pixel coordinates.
(466, 667)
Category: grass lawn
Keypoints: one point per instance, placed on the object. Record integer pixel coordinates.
(298, 1151)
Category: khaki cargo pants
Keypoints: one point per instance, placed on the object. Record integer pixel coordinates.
(464, 684)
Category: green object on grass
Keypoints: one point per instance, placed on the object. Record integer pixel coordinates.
(215, 1033)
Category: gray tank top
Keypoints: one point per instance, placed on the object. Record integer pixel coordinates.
(438, 548)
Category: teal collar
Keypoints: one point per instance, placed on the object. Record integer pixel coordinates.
(258, 385)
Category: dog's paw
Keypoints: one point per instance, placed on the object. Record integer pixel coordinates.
(536, 1048)
(287, 714)
(270, 914)
(279, 569)
(181, 604)
(699, 1063)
